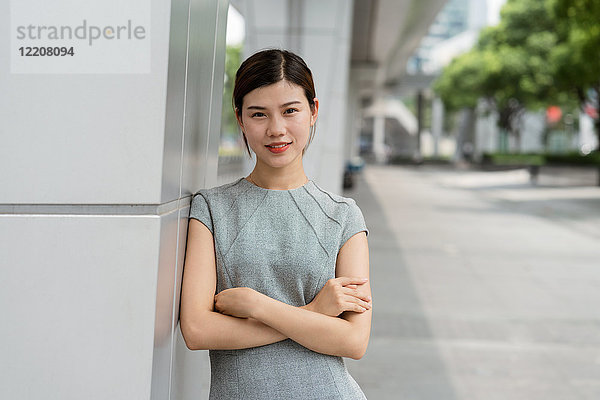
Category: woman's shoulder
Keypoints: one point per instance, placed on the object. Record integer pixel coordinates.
(227, 189)
(330, 198)
(336, 206)
(217, 197)
(342, 209)
(210, 203)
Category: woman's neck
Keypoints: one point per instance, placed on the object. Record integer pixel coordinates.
(284, 178)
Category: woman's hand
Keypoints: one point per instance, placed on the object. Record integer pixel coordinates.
(237, 302)
(339, 295)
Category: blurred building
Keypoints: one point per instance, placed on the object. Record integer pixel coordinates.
(454, 30)
(456, 18)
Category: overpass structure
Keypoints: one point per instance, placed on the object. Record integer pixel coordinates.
(357, 51)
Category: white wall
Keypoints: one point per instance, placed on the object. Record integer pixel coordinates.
(96, 172)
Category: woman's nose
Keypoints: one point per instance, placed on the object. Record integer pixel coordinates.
(276, 126)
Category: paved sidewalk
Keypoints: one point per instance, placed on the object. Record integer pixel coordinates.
(484, 287)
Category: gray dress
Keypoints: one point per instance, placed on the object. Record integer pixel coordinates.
(284, 244)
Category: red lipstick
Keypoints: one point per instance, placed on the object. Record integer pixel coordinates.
(278, 147)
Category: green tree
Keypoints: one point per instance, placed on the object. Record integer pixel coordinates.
(575, 58)
(465, 79)
(233, 59)
(508, 67)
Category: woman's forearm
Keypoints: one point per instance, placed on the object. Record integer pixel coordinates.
(215, 331)
(315, 331)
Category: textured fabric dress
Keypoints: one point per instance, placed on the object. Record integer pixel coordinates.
(284, 244)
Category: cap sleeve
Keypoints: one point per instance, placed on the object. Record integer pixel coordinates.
(201, 211)
(353, 223)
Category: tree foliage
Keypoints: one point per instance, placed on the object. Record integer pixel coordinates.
(513, 66)
(233, 59)
(575, 59)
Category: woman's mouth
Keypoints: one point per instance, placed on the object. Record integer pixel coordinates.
(278, 147)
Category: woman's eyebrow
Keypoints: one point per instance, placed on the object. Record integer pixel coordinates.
(289, 103)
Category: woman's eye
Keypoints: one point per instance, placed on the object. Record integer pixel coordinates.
(258, 114)
(290, 111)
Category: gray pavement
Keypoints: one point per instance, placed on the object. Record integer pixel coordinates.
(484, 287)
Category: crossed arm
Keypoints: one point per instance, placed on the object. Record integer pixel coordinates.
(336, 322)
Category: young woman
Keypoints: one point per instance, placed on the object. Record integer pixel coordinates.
(275, 283)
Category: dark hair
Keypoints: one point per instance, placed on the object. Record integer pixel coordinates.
(271, 66)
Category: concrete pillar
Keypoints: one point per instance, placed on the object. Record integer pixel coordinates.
(420, 116)
(320, 32)
(486, 131)
(99, 154)
(379, 138)
(588, 140)
(437, 124)
(353, 119)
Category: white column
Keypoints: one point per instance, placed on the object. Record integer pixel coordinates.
(378, 138)
(588, 140)
(97, 163)
(437, 124)
(353, 116)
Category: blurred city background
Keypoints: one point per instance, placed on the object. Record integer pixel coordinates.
(474, 157)
(479, 83)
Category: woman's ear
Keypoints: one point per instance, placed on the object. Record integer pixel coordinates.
(314, 112)
(238, 118)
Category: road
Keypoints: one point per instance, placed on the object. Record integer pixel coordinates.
(484, 287)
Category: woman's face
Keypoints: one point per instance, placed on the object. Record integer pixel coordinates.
(276, 120)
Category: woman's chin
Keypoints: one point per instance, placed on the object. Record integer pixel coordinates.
(278, 160)
(279, 163)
